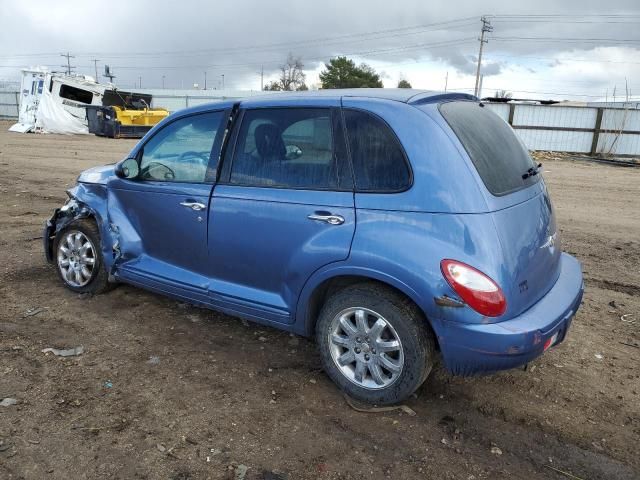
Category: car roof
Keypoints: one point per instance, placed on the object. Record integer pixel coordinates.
(409, 96)
(404, 95)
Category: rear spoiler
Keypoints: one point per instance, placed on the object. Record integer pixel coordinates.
(444, 97)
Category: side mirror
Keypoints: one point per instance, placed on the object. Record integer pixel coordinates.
(127, 168)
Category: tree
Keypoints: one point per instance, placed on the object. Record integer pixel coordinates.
(404, 84)
(342, 72)
(503, 94)
(273, 86)
(291, 76)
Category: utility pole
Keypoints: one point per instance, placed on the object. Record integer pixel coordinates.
(163, 82)
(446, 82)
(205, 79)
(95, 64)
(486, 28)
(140, 80)
(262, 78)
(108, 74)
(68, 65)
(223, 81)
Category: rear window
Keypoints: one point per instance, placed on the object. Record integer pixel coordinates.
(497, 153)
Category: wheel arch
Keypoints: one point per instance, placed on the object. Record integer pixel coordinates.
(321, 285)
(85, 202)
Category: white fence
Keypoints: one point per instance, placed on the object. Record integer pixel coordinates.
(591, 130)
(174, 100)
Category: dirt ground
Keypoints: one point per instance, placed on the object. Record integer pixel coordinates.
(168, 391)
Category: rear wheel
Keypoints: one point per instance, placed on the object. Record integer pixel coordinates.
(375, 343)
(78, 258)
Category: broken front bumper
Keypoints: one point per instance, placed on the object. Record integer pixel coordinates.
(60, 218)
(48, 234)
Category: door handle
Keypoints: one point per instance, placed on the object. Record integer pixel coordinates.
(327, 218)
(196, 206)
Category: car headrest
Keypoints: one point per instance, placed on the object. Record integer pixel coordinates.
(269, 142)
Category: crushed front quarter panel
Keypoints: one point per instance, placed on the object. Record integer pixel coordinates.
(86, 200)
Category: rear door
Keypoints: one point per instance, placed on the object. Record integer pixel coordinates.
(518, 201)
(282, 209)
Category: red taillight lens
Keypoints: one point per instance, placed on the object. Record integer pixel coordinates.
(475, 288)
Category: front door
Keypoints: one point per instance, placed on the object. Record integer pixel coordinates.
(282, 209)
(161, 216)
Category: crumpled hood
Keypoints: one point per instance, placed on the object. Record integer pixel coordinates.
(98, 175)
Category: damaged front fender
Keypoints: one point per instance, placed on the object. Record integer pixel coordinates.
(85, 201)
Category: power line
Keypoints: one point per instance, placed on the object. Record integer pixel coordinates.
(419, 46)
(384, 33)
(592, 60)
(567, 15)
(562, 39)
(470, 89)
(379, 34)
(498, 20)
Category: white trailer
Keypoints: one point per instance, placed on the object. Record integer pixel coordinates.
(54, 102)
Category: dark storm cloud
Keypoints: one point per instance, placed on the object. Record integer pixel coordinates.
(463, 63)
(182, 40)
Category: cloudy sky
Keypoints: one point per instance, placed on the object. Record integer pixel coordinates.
(574, 49)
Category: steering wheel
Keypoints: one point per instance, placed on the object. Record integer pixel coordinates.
(204, 156)
(148, 171)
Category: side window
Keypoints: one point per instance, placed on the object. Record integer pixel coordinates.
(76, 94)
(180, 152)
(286, 148)
(379, 163)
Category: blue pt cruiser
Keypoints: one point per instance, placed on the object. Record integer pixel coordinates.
(397, 226)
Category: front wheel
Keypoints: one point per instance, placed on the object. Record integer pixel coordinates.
(375, 344)
(78, 258)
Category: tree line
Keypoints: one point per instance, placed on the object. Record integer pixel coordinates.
(340, 72)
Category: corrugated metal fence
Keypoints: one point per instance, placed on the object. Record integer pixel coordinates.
(9, 103)
(591, 130)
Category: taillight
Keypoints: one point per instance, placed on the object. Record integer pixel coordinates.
(475, 288)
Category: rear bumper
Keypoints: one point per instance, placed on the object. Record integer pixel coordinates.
(469, 349)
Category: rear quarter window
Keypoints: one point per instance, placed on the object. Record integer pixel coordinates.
(496, 152)
(379, 162)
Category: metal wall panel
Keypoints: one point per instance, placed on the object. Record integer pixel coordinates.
(621, 119)
(611, 143)
(9, 104)
(502, 109)
(553, 116)
(555, 140)
(193, 101)
(171, 103)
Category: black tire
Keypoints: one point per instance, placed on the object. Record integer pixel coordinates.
(99, 279)
(409, 325)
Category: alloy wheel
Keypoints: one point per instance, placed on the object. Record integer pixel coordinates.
(76, 258)
(366, 348)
